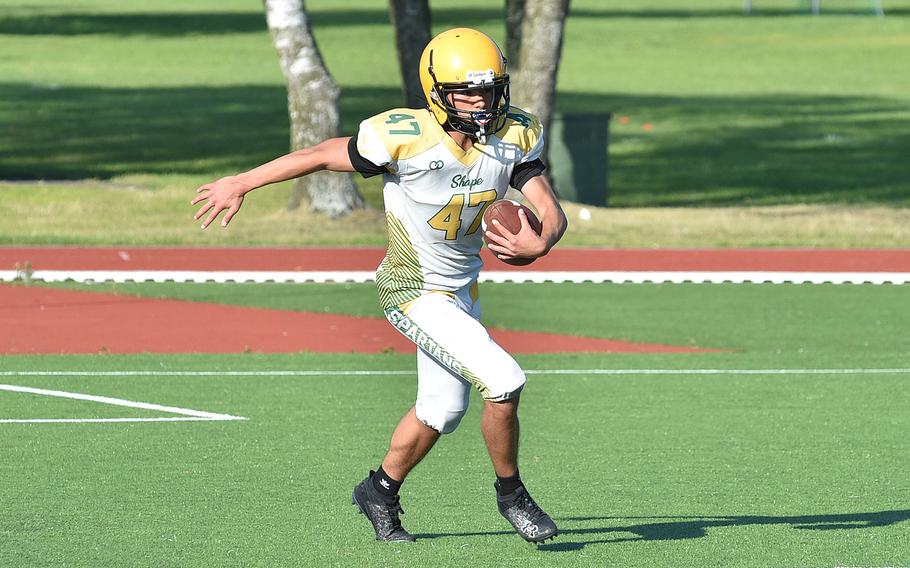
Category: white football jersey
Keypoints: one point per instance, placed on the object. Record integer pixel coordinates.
(435, 194)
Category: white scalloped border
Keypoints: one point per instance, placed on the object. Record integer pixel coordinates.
(634, 277)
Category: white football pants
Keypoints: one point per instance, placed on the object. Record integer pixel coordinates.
(454, 352)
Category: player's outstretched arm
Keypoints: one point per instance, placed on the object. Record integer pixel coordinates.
(227, 193)
(526, 243)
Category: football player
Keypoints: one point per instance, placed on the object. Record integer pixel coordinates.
(441, 167)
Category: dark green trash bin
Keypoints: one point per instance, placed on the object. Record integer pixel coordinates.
(578, 161)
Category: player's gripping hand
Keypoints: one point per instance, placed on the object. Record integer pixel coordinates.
(526, 243)
(226, 194)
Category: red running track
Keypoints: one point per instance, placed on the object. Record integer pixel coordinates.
(36, 320)
(40, 320)
(357, 259)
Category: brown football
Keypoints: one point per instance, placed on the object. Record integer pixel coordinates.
(505, 211)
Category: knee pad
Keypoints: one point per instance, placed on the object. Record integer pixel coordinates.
(443, 421)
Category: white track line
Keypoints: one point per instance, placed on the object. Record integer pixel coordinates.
(634, 277)
(186, 413)
(411, 372)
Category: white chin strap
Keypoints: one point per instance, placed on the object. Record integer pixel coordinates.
(482, 133)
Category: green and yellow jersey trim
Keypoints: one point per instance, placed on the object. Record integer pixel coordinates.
(400, 277)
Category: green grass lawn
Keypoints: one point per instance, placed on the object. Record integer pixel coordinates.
(777, 108)
(676, 469)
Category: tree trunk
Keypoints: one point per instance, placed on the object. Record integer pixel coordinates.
(534, 82)
(312, 106)
(515, 15)
(411, 19)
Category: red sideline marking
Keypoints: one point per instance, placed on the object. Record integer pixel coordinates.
(43, 320)
(560, 259)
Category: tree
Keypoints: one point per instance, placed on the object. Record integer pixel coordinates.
(312, 106)
(515, 15)
(533, 64)
(411, 19)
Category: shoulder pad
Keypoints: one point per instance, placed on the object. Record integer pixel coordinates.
(404, 132)
(522, 129)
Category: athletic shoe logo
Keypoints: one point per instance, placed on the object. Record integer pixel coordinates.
(529, 528)
(384, 483)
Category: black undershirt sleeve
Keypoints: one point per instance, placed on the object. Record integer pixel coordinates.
(363, 166)
(523, 172)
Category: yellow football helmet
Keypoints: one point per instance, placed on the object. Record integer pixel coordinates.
(465, 60)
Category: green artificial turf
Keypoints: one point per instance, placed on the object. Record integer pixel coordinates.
(643, 460)
(671, 470)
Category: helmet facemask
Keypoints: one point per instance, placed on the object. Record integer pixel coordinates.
(478, 124)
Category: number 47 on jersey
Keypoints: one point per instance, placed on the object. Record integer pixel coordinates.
(449, 218)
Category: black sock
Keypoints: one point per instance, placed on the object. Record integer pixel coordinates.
(506, 485)
(385, 484)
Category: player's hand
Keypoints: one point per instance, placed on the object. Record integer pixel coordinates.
(226, 194)
(524, 244)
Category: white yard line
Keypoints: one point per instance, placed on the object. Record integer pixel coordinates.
(102, 420)
(409, 372)
(618, 276)
(721, 371)
(185, 413)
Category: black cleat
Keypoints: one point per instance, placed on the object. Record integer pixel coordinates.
(526, 517)
(382, 512)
